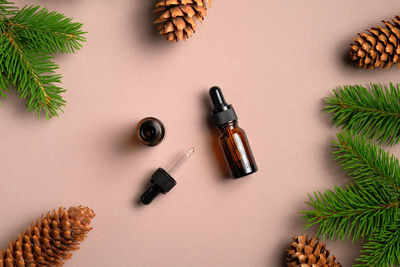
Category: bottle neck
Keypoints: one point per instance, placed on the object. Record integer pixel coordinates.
(228, 126)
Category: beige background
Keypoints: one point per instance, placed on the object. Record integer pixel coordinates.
(275, 61)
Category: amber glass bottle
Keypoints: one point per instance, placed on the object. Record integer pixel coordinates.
(232, 139)
(150, 131)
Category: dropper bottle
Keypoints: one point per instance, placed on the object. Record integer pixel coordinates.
(232, 139)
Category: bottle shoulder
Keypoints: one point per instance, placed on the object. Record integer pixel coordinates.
(229, 130)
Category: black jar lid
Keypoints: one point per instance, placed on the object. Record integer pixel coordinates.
(150, 131)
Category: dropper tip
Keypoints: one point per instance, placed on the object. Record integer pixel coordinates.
(190, 152)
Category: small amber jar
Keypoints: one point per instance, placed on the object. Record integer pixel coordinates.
(150, 131)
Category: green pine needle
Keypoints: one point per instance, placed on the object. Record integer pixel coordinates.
(374, 112)
(383, 248)
(359, 209)
(4, 82)
(368, 208)
(34, 78)
(47, 32)
(367, 163)
(354, 212)
(3, 85)
(28, 38)
(7, 8)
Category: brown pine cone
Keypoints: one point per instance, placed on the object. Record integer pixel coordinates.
(50, 240)
(379, 47)
(305, 252)
(177, 18)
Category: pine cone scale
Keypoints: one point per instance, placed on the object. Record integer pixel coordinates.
(50, 240)
(304, 252)
(378, 47)
(188, 10)
(177, 18)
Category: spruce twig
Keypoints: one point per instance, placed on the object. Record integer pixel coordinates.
(367, 163)
(367, 208)
(34, 78)
(28, 39)
(353, 212)
(374, 112)
(7, 9)
(47, 32)
(383, 248)
(4, 83)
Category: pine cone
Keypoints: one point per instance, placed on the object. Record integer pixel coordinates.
(379, 47)
(177, 17)
(305, 252)
(50, 240)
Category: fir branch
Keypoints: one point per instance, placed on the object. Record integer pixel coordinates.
(33, 76)
(367, 163)
(27, 38)
(47, 32)
(7, 9)
(353, 212)
(374, 112)
(4, 84)
(383, 249)
(4, 81)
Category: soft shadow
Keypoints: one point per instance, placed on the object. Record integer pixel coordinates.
(18, 107)
(126, 142)
(342, 50)
(296, 221)
(19, 104)
(347, 60)
(283, 246)
(327, 149)
(348, 65)
(295, 226)
(143, 26)
(324, 117)
(213, 140)
(331, 164)
(345, 251)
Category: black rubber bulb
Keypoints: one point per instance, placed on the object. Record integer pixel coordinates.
(150, 194)
(218, 99)
(160, 182)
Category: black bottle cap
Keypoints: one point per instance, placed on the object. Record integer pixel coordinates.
(223, 113)
(161, 182)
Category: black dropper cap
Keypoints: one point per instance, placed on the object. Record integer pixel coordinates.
(222, 113)
(161, 182)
